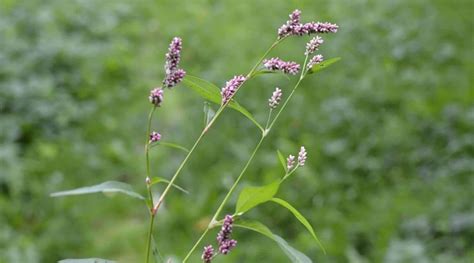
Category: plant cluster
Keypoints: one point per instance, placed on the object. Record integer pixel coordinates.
(251, 196)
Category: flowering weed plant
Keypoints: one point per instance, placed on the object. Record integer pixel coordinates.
(250, 197)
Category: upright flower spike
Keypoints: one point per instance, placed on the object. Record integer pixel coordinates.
(174, 55)
(226, 244)
(293, 27)
(231, 87)
(315, 60)
(207, 254)
(302, 156)
(289, 67)
(290, 162)
(174, 74)
(313, 45)
(156, 96)
(275, 99)
(154, 136)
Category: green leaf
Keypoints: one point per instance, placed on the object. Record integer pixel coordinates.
(282, 160)
(205, 89)
(323, 65)
(212, 93)
(86, 260)
(171, 145)
(106, 187)
(293, 254)
(301, 218)
(263, 72)
(157, 180)
(252, 196)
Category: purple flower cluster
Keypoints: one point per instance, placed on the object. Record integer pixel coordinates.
(224, 240)
(302, 156)
(313, 45)
(289, 67)
(226, 244)
(315, 60)
(174, 74)
(207, 254)
(293, 27)
(275, 99)
(156, 96)
(290, 162)
(154, 136)
(231, 87)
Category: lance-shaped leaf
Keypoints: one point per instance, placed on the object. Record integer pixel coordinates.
(105, 187)
(282, 160)
(171, 145)
(251, 196)
(301, 218)
(86, 260)
(157, 180)
(212, 93)
(264, 71)
(323, 65)
(294, 255)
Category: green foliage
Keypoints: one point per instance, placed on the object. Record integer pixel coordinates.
(252, 196)
(388, 129)
(105, 187)
(294, 255)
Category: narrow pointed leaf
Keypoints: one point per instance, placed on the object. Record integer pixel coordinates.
(157, 180)
(264, 72)
(212, 93)
(251, 196)
(106, 187)
(323, 65)
(86, 260)
(171, 145)
(301, 218)
(294, 255)
(282, 160)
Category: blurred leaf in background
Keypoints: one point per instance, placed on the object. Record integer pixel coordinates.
(389, 129)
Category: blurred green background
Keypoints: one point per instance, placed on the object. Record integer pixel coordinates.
(389, 129)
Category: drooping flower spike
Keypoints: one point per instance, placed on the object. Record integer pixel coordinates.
(275, 99)
(226, 244)
(288, 67)
(231, 87)
(294, 27)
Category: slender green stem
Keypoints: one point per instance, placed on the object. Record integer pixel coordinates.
(150, 194)
(257, 147)
(218, 113)
(211, 122)
(150, 233)
(196, 244)
(226, 198)
(269, 118)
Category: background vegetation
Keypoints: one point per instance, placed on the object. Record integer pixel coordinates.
(389, 129)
